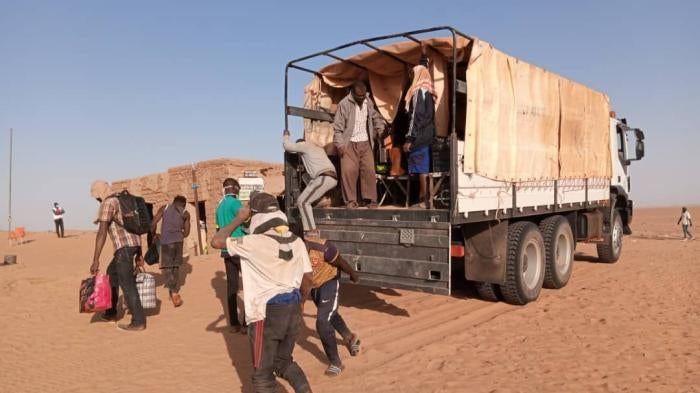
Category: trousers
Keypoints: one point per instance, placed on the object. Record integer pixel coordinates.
(272, 341)
(121, 275)
(357, 165)
(316, 189)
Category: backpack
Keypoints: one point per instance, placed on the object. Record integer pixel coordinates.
(135, 216)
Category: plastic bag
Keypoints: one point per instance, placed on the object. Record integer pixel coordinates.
(95, 294)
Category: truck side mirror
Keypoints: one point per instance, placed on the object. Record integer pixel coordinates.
(639, 146)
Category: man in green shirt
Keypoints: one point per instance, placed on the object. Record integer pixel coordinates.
(226, 211)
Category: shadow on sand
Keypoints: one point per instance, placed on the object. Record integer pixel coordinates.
(236, 343)
(365, 298)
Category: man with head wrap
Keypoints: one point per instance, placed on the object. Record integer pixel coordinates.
(127, 251)
(276, 274)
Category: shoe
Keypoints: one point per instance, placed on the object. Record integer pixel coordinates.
(352, 205)
(353, 345)
(108, 317)
(235, 329)
(373, 205)
(176, 299)
(420, 205)
(131, 327)
(333, 370)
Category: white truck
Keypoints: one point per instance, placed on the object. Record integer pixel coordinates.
(531, 163)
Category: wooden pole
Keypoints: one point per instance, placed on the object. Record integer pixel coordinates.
(9, 198)
(195, 186)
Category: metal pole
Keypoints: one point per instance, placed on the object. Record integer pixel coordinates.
(195, 186)
(9, 198)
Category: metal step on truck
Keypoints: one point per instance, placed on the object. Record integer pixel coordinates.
(526, 164)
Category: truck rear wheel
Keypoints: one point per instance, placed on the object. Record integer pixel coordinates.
(487, 291)
(525, 264)
(559, 251)
(609, 252)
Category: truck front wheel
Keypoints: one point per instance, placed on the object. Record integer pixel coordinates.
(559, 250)
(609, 252)
(525, 264)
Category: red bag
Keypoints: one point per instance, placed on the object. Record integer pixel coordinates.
(95, 294)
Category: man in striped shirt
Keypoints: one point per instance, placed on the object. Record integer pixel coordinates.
(356, 126)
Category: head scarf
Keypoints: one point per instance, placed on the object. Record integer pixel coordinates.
(100, 189)
(421, 80)
(268, 220)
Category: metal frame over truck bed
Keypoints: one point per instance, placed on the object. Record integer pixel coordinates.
(413, 248)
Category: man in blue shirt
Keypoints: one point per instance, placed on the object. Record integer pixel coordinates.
(226, 211)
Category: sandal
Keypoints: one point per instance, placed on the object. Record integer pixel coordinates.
(353, 345)
(333, 370)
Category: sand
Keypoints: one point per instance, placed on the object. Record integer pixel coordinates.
(632, 326)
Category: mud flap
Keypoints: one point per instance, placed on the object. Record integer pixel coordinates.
(485, 251)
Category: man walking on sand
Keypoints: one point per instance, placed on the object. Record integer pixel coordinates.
(326, 263)
(357, 124)
(226, 211)
(127, 252)
(58, 213)
(176, 227)
(686, 222)
(276, 275)
(322, 173)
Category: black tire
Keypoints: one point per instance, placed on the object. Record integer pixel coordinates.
(559, 246)
(525, 252)
(609, 252)
(487, 291)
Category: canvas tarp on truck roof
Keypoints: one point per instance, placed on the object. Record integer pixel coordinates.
(522, 122)
(526, 123)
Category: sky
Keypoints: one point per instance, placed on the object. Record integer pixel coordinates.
(119, 89)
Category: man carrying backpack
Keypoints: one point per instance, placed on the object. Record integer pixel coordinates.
(176, 227)
(127, 251)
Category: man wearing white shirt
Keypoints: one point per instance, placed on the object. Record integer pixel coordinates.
(58, 213)
(276, 272)
(686, 222)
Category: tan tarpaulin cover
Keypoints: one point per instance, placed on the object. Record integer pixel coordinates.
(388, 79)
(523, 122)
(526, 123)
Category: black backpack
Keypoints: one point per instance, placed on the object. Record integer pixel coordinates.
(135, 216)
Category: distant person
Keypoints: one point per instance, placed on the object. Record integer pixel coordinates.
(321, 172)
(176, 227)
(58, 213)
(276, 276)
(127, 252)
(420, 103)
(356, 126)
(686, 222)
(326, 263)
(226, 211)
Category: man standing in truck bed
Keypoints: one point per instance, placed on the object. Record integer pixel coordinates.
(356, 126)
(323, 178)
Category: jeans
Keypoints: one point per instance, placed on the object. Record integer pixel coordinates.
(233, 267)
(272, 341)
(328, 321)
(686, 233)
(172, 278)
(59, 227)
(121, 274)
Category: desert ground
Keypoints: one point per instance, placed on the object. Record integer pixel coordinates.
(633, 326)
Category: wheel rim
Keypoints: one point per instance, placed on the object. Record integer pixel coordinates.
(532, 267)
(562, 253)
(617, 237)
